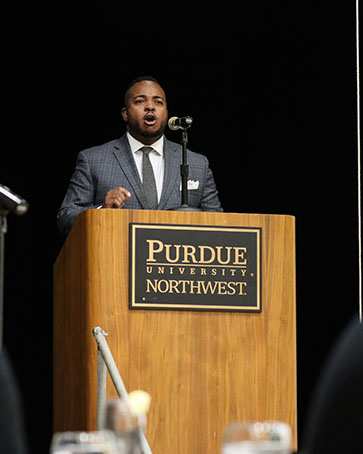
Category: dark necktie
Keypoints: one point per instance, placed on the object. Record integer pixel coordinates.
(148, 179)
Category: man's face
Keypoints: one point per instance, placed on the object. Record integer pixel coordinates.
(146, 112)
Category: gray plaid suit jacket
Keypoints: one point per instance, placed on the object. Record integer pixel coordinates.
(101, 168)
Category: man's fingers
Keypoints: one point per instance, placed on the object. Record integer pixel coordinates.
(126, 193)
(116, 197)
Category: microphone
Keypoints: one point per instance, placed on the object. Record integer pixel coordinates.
(175, 123)
(12, 202)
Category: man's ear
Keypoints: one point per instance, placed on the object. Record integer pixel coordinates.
(124, 113)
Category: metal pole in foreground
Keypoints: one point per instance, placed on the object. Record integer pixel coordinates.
(99, 335)
(101, 390)
(105, 357)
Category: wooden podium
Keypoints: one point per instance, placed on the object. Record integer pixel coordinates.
(203, 369)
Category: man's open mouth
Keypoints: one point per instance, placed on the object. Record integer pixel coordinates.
(149, 120)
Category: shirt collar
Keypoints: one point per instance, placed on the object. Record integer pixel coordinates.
(135, 145)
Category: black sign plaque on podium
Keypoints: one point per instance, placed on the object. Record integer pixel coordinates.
(189, 267)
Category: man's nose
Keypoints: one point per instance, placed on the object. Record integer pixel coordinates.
(149, 105)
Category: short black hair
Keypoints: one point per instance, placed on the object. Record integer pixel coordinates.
(136, 81)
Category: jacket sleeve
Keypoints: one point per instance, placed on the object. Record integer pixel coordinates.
(210, 200)
(79, 197)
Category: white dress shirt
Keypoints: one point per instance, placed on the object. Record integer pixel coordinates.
(156, 157)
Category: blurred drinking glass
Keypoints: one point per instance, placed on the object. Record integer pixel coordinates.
(270, 437)
(128, 428)
(99, 442)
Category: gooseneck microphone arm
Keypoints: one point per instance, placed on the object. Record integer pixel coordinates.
(11, 202)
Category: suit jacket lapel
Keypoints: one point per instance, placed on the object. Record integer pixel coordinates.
(171, 172)
(124, 156)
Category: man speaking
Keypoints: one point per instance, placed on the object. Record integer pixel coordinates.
(141, 170)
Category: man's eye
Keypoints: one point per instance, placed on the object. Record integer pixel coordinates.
(138, 101)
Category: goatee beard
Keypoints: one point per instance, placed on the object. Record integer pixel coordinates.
(140, 133)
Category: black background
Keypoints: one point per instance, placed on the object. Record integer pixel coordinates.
(272, 89)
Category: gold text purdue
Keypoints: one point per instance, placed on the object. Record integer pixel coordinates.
(201, 255)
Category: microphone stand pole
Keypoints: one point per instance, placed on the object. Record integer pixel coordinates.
(184, 173)
(184, 170)
(9, 203)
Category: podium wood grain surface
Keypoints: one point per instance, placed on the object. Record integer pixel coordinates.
(202, 368)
